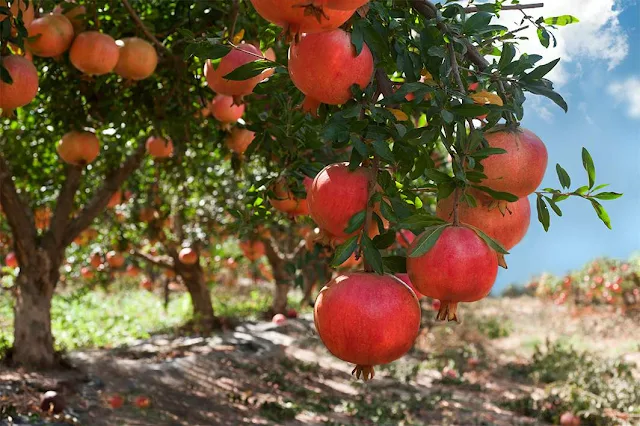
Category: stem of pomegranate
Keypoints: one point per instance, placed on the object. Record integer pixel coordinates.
(375, 163)
(456, 204)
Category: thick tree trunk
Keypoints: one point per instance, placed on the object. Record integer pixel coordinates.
(280, 299)
(204, 319)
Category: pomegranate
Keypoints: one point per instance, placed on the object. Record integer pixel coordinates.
(86, 273)
(244, 54)
(336, 194)
(279, 319)
(159, 147)
(520, 170)
(284, 200)
(345, 4)
(405, 279)
(404, 237)
(42, 218)
(115, 259)
(310, 106)
(292, 313)
(53, 36)
(132, 271)
(270, 54)
(95, 260)
(75, 15)
(94, 53)
(224, 110)
(142, 401)
(325, 66)
(253, 250)
(11, 260)
(188, 256)
(569, 419)
(137, 59)
(115, 401)
(460, 267)
(239, 140)
(115, 199)
(297, 18)
(367, 319)
(25, 83)
(78, 148)
(505, 223)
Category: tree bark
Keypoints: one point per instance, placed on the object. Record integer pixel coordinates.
(282, 278)
(204, 319)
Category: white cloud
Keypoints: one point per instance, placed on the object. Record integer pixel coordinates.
(583, 108)
(598, 35)
(628, 92)
(540, 108)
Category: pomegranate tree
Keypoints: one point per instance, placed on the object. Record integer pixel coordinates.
(367, 319)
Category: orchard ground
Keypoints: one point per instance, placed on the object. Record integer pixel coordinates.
(518, 360)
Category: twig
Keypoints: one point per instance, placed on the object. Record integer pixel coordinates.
(472, 9)
(142, 27)
(384, 83)
(235, 8)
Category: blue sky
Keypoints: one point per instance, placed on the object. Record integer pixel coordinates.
(600, 78)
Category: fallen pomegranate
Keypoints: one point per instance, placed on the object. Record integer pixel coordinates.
(569, 419)
(115, 401)
(224, 110)
(324, 66)
(142, 401)
(336, 194)
(279, 319)
(237, 57)
(292, 313)
(50, 35)
(137, 59)
(11, 261)
(507, 223)
(159, 148)
(132, 271)
(146, 284)
(94, 53)
(78, 148)
(520, 170)
(239, 140)
(459, 267)
(296, 17)
(367, 319)
(188, 256)
(405, 279)
(435, 305)
(24, 87)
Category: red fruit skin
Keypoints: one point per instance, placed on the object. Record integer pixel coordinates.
(94, 53)
(294, 19)
(435, 305)
(336, 194)
(25, 83)
(324, 66)
(345, 4)
(235, 58)
(223, 109)
(159, 147)
(569, 419)
(310, 106)
(279, 319)
(520, 170)
(405, 237)
(508, 229)
(11, 260)
(239, 140)
(460, 267)
(405, 279)
(115, 401)
(55, 34)
(367, 319)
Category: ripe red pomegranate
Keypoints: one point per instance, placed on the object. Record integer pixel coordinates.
(78, 148)
(115, 401)
(296, 17)
(405, 279)
(345, 4)
(94, 53)
(25, 83)
(284, 200)
(11, 260)
(279, 319)
(244, 54)
(223, 109)
(253, 250)
(505, 223)
(115, 259)
(325, 66)
(404, 237)
(137, 59)
(460, 267)
(239, 140)
(159, 147)
(520, 170)
(86, 273)
(367, 319)
(188, 256)
(52, 34)
(270, 54)
(75, 15)
(336, 194)
(569, 419)
(310, 106)
(142, 401)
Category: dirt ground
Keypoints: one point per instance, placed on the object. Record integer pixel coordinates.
(260, 373)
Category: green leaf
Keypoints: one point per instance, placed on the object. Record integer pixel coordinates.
(476, 22)
(356, 222)
(384, 240)
(561, 20)
(587, 162)
(602, 213)
(496, 194)
(507, 55)
(344, 251)
(427, 239)
(381, 147)
(207, 50)
(604, 185)
(395, 264)
(387, 212)
(542, 90)
(4, 75)
(563, 176)
(447, 116)
(582, 190)
(543, 36)
(357, 36)
(543, 213)
(542, 70)
(607, 196)
(554, 206)
(249, 70)
(496, 246)
(469, 110)
(372, 255)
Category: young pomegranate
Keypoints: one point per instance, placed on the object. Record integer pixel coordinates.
(324, 66)
(505, 223)
(298, 17)
(188, 256)
(520, 170)
(253, 250)
(367, 319)
(237, 57)
(336, 194)
(460, 267)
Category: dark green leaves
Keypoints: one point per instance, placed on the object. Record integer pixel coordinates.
(601, 212)
(497, 195)
(4, 75)
(371, 254)
(395, 264)
(542, 70)
(543, 213)
(477, 21)
(356, 222)
(249, 70)
(427, 239)
(563, 176)
(344, 251)
(206, 49)
(539, 88)
(587, 162)
(496, 246)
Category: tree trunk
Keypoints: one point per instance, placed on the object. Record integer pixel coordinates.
(280, 300)
(193, 277)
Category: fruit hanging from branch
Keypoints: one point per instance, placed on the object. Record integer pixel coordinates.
(50, 35)
(137, 59)
(216, 73)
(79, 148)
(94, 53)
(24, 86)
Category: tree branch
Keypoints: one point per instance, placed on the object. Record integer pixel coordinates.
(101, 198)
(472, 9)
(384, 83)
(165, 262)
(142, 27)
(64, 207)
(235, 8)
(18, 214)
